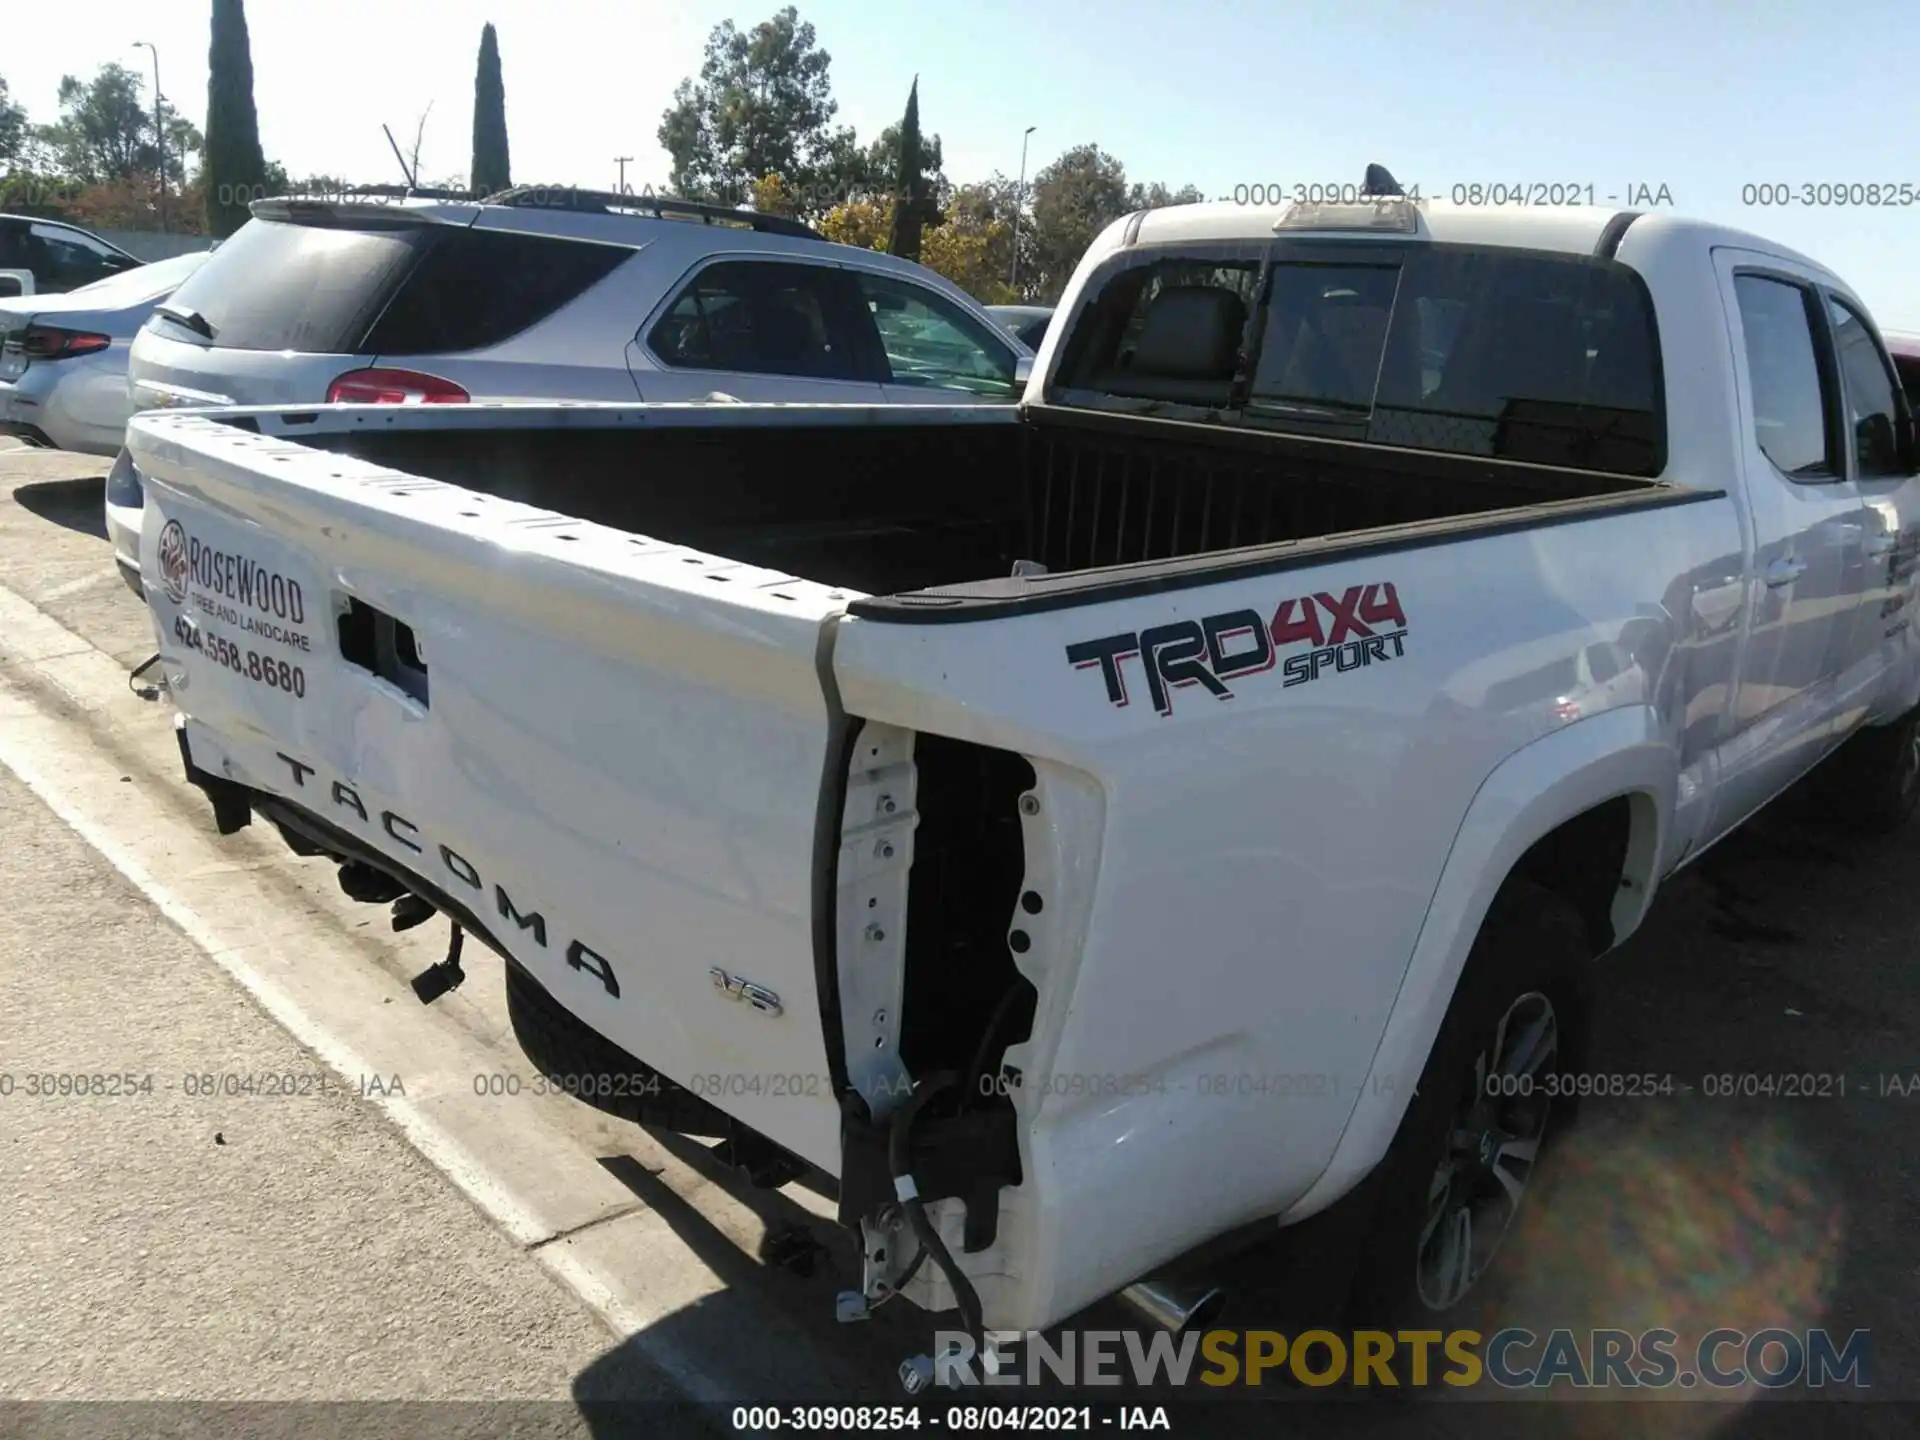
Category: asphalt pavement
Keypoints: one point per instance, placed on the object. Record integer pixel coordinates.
(335, 1246)
(198, 1210)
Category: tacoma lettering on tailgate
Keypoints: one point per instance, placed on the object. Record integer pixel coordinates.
(1344, 632)
(403, 832)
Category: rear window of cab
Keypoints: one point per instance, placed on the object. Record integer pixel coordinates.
(1512, 354)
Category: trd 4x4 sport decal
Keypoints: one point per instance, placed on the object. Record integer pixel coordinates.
(1236, 643)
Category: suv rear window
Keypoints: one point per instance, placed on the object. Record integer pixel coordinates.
(1518, 355)
(280, 286)
(405, 290)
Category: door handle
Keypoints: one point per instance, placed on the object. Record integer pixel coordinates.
(1784, 571)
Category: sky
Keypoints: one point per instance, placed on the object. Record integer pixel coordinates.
(1704, 99)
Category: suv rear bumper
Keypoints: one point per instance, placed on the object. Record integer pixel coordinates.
(125, 502)
(31, 434)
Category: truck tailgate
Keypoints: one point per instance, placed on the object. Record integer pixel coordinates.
(609, 749)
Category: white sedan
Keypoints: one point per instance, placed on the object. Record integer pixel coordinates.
(63, 358)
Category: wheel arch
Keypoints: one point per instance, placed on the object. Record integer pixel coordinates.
(1584, 811)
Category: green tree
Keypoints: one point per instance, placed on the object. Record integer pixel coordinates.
(13, 130)
(761, 106)
(986, 208)
(910, 198)
(1158, 197)
(490, 164)
(105, 131)
(236, 171)
(1074, 199)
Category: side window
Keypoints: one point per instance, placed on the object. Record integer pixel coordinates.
(1791, 402)
(66, 259)
(931, 342)
(475, 288)
(13, 245)
(765, 318)
(1873, 413)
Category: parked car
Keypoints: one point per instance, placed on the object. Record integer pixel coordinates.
(51, 257)
(551, 293)
(1235, 757)
(63, 358)
(1029, 322)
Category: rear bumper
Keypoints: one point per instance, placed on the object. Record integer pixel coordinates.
(76, 405)
(31, 434)
(125, 503)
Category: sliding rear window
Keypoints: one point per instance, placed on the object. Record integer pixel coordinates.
(1548, 358)
(1517, 355)
(276, 285)
(1552, 359)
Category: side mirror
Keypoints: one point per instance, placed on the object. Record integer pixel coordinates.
(1022, 369)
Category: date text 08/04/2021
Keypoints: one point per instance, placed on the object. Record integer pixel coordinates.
(1644, 194)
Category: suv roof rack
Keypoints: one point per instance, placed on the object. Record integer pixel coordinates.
(378, 192)
(662, 207)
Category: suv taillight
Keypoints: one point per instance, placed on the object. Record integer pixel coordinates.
(376, 386)
(49, 342)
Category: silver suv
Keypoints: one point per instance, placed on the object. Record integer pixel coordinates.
(551, 294)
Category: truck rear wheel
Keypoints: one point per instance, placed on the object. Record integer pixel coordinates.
(1873, 783)
(1453, 1180)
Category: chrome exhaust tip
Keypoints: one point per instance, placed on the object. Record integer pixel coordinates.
(1177, 1308)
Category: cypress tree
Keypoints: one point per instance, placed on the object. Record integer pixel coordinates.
(490, 166)
(908, 183)
(235, 170)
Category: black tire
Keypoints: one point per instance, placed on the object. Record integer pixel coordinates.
(581, 1062)
(1872, 784)
(1531, 960)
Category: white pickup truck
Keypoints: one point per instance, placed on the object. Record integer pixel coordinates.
(1190, 801)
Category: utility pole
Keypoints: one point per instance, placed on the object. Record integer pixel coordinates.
(1019, 203)
(622, 161)
(159, 130)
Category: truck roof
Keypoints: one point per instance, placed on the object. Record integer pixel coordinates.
(1573, 229)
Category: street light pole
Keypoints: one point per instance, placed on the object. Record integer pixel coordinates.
(159, 130)
(621, 161)
(1019, 202)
